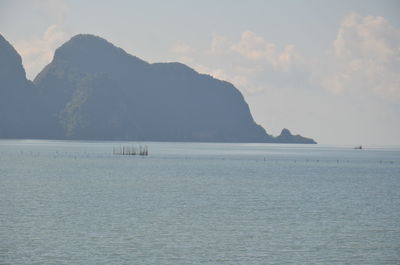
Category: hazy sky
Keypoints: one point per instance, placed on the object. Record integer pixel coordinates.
(325, 69)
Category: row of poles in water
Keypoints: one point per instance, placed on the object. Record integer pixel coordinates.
(131, 150)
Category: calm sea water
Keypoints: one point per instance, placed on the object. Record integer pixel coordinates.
(65, 202)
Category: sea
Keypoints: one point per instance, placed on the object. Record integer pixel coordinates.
(76, 202)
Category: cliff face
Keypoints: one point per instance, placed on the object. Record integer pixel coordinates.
(17, 96)
(11, 69)
(94, 90)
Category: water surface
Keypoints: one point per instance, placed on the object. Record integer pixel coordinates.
(74, 202)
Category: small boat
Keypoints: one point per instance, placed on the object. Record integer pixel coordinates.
(358, 147)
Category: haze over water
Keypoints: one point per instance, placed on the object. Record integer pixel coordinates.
(67, 202)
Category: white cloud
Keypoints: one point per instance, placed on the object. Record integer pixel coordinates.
(38, 52)
(256, 48)
(183, 48)
(365, 57)
(241, 62)
(57, 10)
(361, 67)
(220, 45)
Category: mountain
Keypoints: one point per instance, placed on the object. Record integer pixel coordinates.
(96, 91)
(18, 96)
(287, 137)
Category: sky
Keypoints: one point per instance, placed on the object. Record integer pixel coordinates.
(329, 70)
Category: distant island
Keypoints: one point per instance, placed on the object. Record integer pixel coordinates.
(93, 90)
